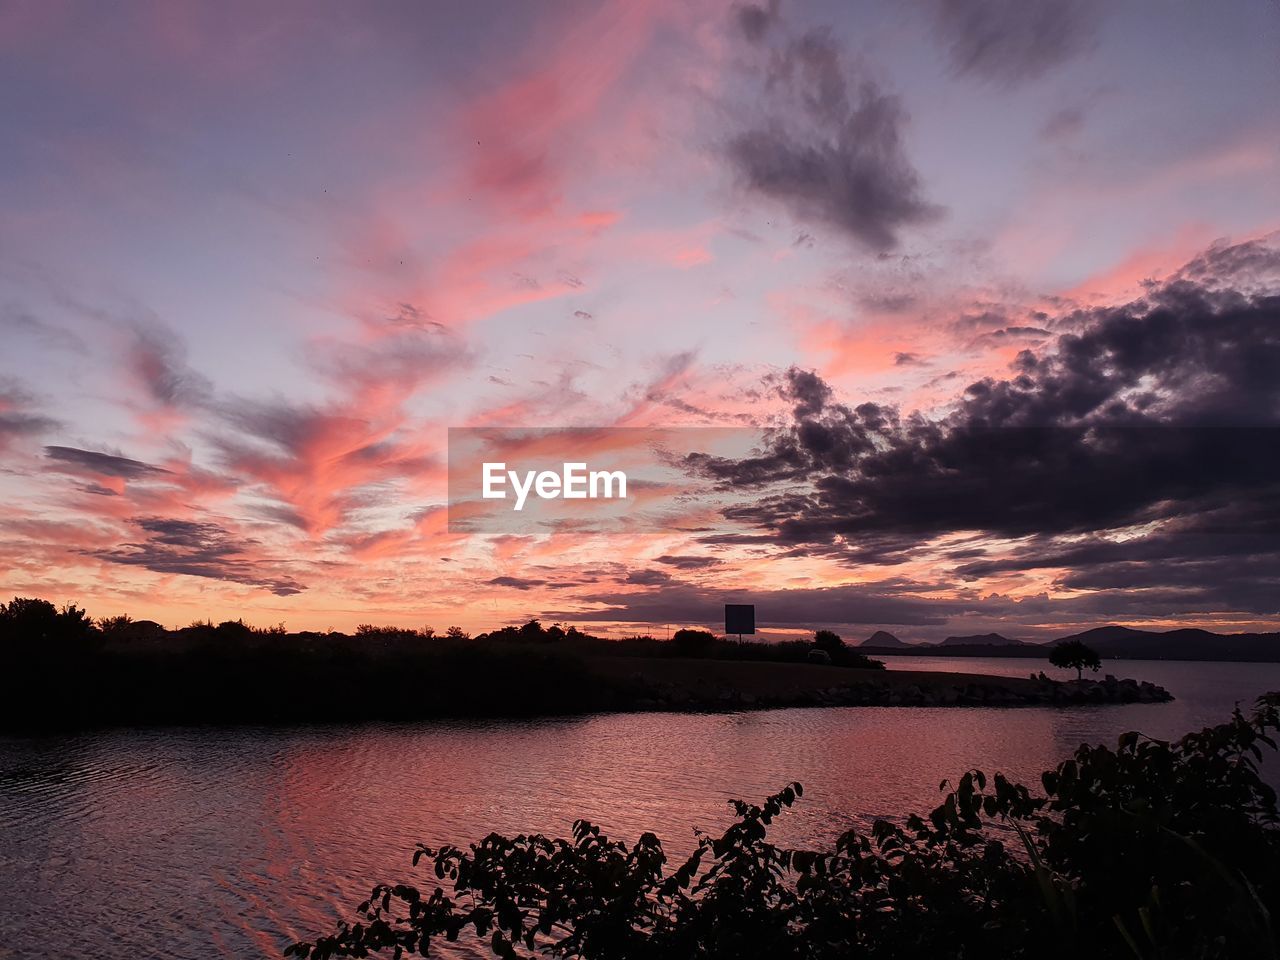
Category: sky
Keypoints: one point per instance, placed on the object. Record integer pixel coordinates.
(999, 284)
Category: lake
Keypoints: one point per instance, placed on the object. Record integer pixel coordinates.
(198, 842)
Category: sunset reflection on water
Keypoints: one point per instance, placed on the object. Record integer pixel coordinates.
(197, 842)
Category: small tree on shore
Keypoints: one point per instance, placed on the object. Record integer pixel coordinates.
(1075, 654)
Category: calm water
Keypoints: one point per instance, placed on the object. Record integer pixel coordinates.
(198, 843)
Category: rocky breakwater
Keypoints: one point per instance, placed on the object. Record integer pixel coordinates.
(1106, 690)
(888, 690)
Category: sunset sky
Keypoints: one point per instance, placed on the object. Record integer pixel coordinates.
(255, 260)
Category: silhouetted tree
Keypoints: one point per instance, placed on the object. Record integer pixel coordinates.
(1075, 654)
(34, 622)
(369, 631)
(115, 626)
(829, 641)
(457, 633)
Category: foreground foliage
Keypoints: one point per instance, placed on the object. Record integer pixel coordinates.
(1148, 850)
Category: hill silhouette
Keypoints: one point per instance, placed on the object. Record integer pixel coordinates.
(982, 640)
(1187, 643)
(1111, 642)
(883, 639)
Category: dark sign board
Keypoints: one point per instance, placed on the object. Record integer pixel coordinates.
(739, 618)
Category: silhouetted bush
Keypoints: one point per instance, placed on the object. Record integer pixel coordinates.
(693, 643)
(829, 641)
(233, 630)
(849, 657)
(1148, 850)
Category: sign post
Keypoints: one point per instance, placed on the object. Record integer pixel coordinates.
(739, 618)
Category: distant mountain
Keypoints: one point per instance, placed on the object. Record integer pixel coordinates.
(883, 639)
(979, 645)
(1185, 644)
(1113, 642)
(982, 640)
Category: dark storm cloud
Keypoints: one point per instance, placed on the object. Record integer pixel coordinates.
(809, 391)
(1013, 41)
(1251, 266)
(1228, 556)
(1242, 584)
(1162, 416)
(104, 464)
(827, 143)
(197, 549)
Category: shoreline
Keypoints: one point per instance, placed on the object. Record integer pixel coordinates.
(725, 685)
(195, 694)
(1022, 653)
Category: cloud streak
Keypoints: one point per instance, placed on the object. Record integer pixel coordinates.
(1007, 42)
(18, 416)
(198, 549)
(103, 464)
(828, 142)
